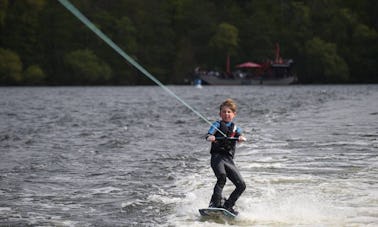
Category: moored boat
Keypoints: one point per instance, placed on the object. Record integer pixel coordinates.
(214, 80)
(277, 72)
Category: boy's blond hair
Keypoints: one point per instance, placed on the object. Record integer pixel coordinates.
(230, 104)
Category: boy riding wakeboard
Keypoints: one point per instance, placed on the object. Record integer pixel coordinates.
(222, 155)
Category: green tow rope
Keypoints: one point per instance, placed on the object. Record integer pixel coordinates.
(115, 47)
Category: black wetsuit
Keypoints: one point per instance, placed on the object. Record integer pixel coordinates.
(222, 154)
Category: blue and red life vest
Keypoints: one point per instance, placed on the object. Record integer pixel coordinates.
(225, 146)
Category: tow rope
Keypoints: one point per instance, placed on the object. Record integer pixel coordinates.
(67, 4)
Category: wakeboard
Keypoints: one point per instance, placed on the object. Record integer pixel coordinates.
(216, 213)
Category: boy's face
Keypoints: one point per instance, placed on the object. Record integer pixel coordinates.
(227, 114)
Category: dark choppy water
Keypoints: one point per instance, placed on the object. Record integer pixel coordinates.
(134, 156)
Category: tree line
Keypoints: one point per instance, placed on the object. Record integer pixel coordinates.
(41, 43)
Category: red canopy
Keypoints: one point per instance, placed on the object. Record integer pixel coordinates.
(249, 65)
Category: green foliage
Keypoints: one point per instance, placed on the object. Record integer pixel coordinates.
(172, 37)
(226, 39)
(21, 28)
(184, 60)
(195, 22)
(323, 62)
(36, 4)
(10, 67)
(86, 68)
(34, 75)
(3, 8)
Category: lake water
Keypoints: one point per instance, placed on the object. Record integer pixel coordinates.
(134, 156)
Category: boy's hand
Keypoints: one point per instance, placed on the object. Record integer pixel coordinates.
(242, 139)
(210, 138)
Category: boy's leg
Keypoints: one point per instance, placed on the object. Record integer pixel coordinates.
(234, 175)
(217, 164)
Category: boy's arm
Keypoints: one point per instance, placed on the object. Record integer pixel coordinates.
(210, 134)
(210, 138)
(242, 139)
(240, 133)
